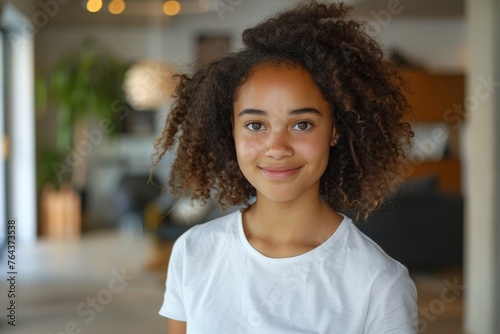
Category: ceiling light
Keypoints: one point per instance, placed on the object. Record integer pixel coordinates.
(149, 84)
(116, 6)
(171, 7)
(94, 5)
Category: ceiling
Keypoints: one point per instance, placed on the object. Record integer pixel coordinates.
(409, 8)
(140, 11)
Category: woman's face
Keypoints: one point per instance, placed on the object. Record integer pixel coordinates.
(283, 130)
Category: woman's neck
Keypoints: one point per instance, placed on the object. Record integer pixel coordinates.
(289, 229)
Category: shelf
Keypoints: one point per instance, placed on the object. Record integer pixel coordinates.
(432, 97)
(433, 94)
(448, 172)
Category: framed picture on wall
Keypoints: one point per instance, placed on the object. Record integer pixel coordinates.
(212, 47)
(137, 122)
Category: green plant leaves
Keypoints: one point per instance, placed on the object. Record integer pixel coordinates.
(83, 85)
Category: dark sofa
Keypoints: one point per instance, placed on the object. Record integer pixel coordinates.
(421, 227)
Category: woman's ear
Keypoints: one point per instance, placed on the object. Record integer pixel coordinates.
(335, 138)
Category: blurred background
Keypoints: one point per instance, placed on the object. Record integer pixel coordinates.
(86, 87)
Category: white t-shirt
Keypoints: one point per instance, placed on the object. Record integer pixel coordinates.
(220, 284)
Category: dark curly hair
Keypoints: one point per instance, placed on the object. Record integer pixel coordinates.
(346, 64)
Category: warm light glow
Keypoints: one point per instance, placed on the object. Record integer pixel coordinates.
(94, 5)
(149, 84)
(116, 6)
(171, 8)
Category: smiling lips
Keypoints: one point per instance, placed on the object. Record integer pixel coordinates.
(279, 172)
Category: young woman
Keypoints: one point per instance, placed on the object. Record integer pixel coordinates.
(305, 122)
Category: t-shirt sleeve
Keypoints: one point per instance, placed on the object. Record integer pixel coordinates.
(173, 302)
(393, 308)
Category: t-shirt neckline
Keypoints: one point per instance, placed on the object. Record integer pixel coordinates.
(328, 247)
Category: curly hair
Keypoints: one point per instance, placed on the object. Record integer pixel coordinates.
(347, 65)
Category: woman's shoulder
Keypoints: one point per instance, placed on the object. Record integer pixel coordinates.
(370, 255)
(212, 231)
(219, 224)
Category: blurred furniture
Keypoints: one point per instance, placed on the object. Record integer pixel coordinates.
(61, 215)
(131, 197)
(184, 214)
(421, 227)
(438, 98)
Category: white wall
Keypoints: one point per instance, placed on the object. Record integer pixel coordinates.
(482, 155)
(439, 44)
(177, 39)
(19, 103)
(436, 44)
(3, 188)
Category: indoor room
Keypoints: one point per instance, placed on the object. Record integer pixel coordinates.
(88, 219)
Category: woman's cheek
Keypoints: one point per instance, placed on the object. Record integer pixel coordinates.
(248, 147)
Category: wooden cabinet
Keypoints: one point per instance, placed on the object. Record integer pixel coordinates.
(432, 94)
(434, 97)
(448, 171)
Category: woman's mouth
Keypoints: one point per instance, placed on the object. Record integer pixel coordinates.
(280, 172)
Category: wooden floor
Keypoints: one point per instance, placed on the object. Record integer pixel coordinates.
(58, 281)
(440, 300)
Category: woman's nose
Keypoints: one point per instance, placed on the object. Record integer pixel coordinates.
(278, 145)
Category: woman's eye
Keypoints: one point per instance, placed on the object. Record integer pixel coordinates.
(302, 126)
(254, 126)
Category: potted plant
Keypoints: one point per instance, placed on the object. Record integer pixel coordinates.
(82, 85)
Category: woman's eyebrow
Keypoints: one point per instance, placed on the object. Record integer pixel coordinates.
(302, 111)
(255, 112)
(295, 112)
